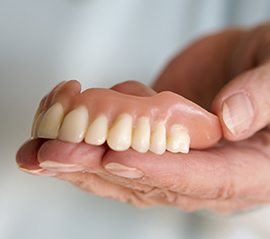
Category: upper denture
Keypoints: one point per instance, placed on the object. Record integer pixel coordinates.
(163, 121)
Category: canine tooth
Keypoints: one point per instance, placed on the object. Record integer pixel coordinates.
(97, 131)
(74, 125)
(158, 139)
(119, 137)
(178, 140)
(141, 135)
(51, 121)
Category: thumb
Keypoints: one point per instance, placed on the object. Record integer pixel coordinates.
(243, 105)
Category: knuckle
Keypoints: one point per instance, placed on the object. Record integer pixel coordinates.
(122, 85)
(161, 195)
(225, 192)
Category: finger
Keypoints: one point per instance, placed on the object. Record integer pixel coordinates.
(58, 156)
(65, 157)
(134, 88)
(55, 152)
(26, 158)
(243, 105)
(185, 174)
(80, 164)
(220, 173)
(98, 183)
(197, 73)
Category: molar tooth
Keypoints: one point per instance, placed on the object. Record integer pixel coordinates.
(178, 140)
(158, 139)
(119, 137)
(74, 125)
(97, 131)
(51, 121)
(141, 135)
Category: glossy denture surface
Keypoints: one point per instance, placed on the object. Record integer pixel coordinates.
(165, 121)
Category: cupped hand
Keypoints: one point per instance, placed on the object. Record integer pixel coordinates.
(227, 73)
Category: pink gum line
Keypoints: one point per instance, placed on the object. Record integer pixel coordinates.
(203, 127)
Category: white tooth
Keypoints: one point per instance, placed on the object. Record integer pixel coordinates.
(74, 125)
(34, 124)
(51, 121)
(97, 131)
(178, 140)
(158, 139)
(34, 133)
(119, 137)
(141, 135)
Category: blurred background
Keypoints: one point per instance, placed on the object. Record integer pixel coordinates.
(100, 43)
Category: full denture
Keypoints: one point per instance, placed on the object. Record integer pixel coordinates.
(165, 121)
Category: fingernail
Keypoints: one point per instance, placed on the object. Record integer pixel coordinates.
(123, 171)
(38, 171)
(61, 167)
(238, 113)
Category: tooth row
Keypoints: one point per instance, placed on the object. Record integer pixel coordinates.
(74, 127)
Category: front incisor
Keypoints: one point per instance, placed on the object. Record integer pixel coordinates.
(97, 131)
(158, 139)
(74, 125)
(51, 121)
(119, 136)
(141, 135)
(178, 140)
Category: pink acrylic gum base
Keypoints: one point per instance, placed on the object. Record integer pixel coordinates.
(203, 127)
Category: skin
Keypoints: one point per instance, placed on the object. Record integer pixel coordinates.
(228, 177)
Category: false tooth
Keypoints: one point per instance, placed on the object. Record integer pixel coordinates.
(34, 124)
(178, 140)
(74, 125)
(51, 121)
(141, 135)
(97, 131)
(119, 136)
(158, 139)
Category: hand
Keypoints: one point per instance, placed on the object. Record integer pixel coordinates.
(227, 73)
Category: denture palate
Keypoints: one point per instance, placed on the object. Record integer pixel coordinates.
(165, 121)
